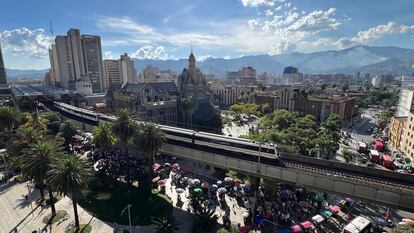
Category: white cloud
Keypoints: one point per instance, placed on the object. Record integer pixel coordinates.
(205, 57)
(316, 21)
(23, 41)
(268, 12)
(150, 52)
(253, 23)
(108, 55)
(374, 33)
(256, 3)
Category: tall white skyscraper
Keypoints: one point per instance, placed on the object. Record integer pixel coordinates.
(3, 78)
(76, 62)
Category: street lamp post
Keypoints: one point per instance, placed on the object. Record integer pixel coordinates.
(129, 215)
(83, 122)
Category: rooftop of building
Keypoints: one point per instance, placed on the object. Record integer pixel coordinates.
(31, 90)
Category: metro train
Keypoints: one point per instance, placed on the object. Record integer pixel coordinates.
(242, 147)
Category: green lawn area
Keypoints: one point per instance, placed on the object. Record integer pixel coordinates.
(60, 214)
(83, 228)
(106, 203)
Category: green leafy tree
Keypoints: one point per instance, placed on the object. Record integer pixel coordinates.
(385, 118)
(123, 128)
(37, 161)
(165, 224)
(69, 176)
(283, 119)
(149, 138)
(103, 136)
(266, 109)
(67, 131)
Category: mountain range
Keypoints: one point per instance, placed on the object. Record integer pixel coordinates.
(374, 60)
(366, 59)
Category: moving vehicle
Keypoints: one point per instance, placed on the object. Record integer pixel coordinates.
(362, 147)
(238, 147)
(379, 146)
(374, 156)
(387, 161)
(358, 225)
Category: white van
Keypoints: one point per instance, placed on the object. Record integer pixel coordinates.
(358, 225)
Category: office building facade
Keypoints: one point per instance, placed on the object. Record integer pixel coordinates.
(3, 77)
(119, 71)
(77, 58)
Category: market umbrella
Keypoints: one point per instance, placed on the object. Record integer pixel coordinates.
(284, 194)
(214, 187)
(408, 221)
(176, 165)
(167, 164)
(222, 190)
(156, 166)
(327, 213)
(318, 218)
(318, 197)
(335, 209)
(296, 228)
(196, 182)
(162, 182)
(197, 190)
(307, 224)
(228, 179)
(237, 181)
(204, 185)
(245, 214)
(219, 183)
(180, 190)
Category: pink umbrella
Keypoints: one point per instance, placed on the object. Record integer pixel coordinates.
(335, 209)
(162, 182)
(156, 166)
(307, 225)
(408, 221)
(237, 181)
(296, 228)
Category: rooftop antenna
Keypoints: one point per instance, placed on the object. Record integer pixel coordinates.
(51, 28)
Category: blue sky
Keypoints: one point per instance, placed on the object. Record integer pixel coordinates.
(167, 29)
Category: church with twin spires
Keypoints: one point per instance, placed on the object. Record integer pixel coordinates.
(201, 113)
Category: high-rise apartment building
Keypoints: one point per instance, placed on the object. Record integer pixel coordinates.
(247, 76)
(76, 62)
(405, 102)
(119, 71)
(3, 78)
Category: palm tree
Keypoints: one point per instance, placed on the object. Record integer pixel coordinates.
(20, 141)
(37, 162)
(37, 120)
(69, 176)
(123, 127)
(206, 219)
(103, 136)
(149, 138)
(165, 224)
(67, 131)
(7, 118)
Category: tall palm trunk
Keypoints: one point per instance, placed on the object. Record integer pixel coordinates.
(52, 203)
(75, 211)
(150, 163)
(128, 176)
(42, 192)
